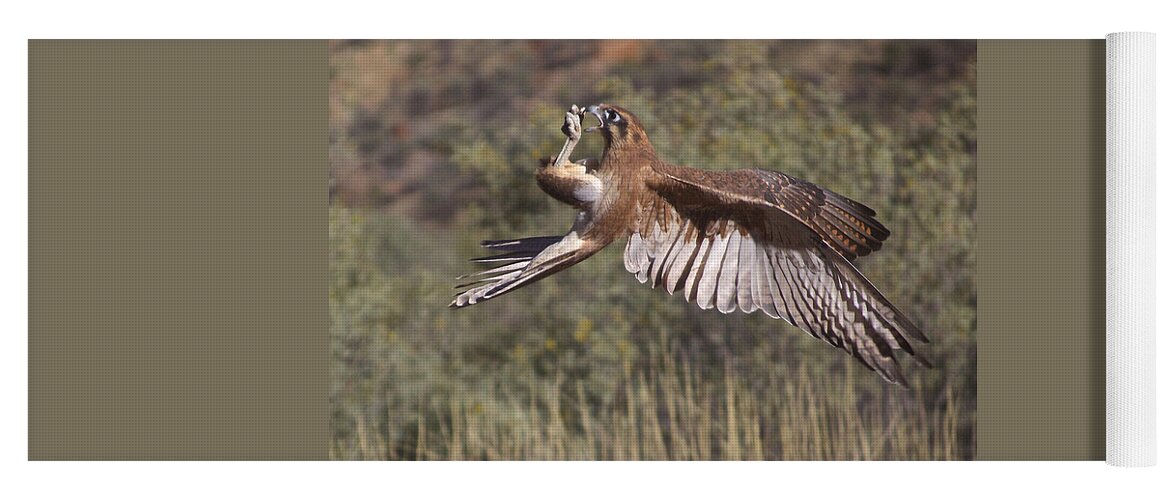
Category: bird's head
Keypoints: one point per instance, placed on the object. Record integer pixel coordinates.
(619, 127)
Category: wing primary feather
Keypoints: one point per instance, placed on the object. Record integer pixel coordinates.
(650, 244)
(746, 264)
(705, 294)
(780, 301)
(655, 251)
(783, 264)
(693, 278)
(760, 291)
(660, 264)
(681, 268)
(888, 311)
(726, 289)
(635, 255)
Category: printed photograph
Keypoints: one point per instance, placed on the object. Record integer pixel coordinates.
(652, 250)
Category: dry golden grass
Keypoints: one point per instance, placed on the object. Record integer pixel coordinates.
(672, 413)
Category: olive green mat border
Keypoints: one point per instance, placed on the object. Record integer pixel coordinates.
(1041, 243)
(177, 250)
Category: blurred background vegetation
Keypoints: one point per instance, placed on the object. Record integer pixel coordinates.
(433, 145)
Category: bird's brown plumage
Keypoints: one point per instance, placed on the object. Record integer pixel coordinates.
(744, 239)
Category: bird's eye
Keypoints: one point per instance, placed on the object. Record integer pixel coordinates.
(613, 116)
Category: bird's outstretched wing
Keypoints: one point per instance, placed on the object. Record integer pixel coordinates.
(844, 224)
(525, 261)
(752, 241)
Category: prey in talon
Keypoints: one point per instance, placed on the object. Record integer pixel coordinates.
(748, 240)
(569, 182)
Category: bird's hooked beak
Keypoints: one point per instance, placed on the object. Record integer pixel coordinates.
(597, 114)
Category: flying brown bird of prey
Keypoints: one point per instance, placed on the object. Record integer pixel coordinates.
(747, 239)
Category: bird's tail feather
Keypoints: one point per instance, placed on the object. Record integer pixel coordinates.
(526, 260)
(533, 245)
